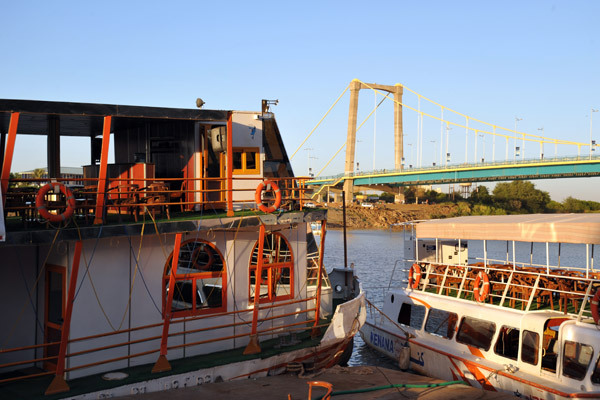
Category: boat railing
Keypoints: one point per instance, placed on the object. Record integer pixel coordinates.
(123, 200)
(526, 288)
(92, 343)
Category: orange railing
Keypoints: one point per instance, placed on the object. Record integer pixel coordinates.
(130, 198)
(282, 328)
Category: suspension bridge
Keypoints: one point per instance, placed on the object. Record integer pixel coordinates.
(442, 170)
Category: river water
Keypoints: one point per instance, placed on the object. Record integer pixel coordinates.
(374, 253)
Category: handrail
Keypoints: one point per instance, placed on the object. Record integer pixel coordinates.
(132, 195)
(512, 284)
(155, 337)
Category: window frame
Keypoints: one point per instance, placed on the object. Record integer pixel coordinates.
(193, 279)
(461, 332)
(271, 271)
(449, 323)
(505, 328)
(244, 170)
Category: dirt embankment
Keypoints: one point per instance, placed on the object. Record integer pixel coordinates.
(381, 216)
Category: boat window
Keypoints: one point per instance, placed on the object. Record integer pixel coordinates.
(531, 345)
(245, 161)
(596, 374)
(199, 279)
(576, 359)
(411, 315)
(277, 281)
(476, 332)
(441, 323)
(507, 344)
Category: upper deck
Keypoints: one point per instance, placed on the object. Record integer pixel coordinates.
(170, 165)
(530, 280)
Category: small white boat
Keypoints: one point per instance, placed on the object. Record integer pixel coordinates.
(527, 327)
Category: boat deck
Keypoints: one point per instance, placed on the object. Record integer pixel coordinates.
(353, 380)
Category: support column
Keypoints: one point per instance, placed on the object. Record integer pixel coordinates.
(101, 192)
(58, 384)
(355, 86)
(53, 148)
(162, 364)
(254, 346)
(398, 128)
(8, 154)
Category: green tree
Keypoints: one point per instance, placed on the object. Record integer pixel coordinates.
(520, 197)
(481, 196)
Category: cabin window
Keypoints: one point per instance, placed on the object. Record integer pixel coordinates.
(441, 323)
(476, 332)
(245, 161)
(507, 344)
(199, 280)
(596, 374)
(277, 281)
(576, 359)
(531, 345)
(411, 315)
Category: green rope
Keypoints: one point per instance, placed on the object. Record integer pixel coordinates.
(403, 385)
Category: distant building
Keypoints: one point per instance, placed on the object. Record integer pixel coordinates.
(74, 174)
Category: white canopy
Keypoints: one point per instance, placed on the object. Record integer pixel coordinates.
(557, 228)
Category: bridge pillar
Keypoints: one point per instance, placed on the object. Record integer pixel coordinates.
(398, 128)
(355, 86)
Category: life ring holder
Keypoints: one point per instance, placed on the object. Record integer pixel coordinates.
(415, 270)
(485, 288)
(594, 307)
(40, 202)
(258, 199)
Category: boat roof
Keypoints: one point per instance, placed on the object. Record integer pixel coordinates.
(86, 119)
(552, 228)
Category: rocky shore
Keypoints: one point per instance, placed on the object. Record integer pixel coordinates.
(382, 216)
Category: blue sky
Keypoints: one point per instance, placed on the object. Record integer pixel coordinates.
(538, 60)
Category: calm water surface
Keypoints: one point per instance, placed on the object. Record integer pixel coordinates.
(374, 253)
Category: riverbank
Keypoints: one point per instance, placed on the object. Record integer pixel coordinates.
(352, 379)
(381, 216)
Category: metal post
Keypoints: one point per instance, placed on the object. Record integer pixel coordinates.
(344, 223)
(316, 331)
(253, 346)
(230, 165)
(162, 364)
(101, 192)
(8, 155)
(58, 384)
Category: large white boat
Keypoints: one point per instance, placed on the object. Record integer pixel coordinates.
(181, 255)
(523, 319)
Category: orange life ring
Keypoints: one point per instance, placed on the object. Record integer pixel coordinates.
(258, 200)
(40, 202)
(485, 288)
(196, 258)
(415, 270)
(594, 306)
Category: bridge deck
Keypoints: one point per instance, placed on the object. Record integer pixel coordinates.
(572, 167)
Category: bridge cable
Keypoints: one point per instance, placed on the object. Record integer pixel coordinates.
(520, 134)
(319, 123)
